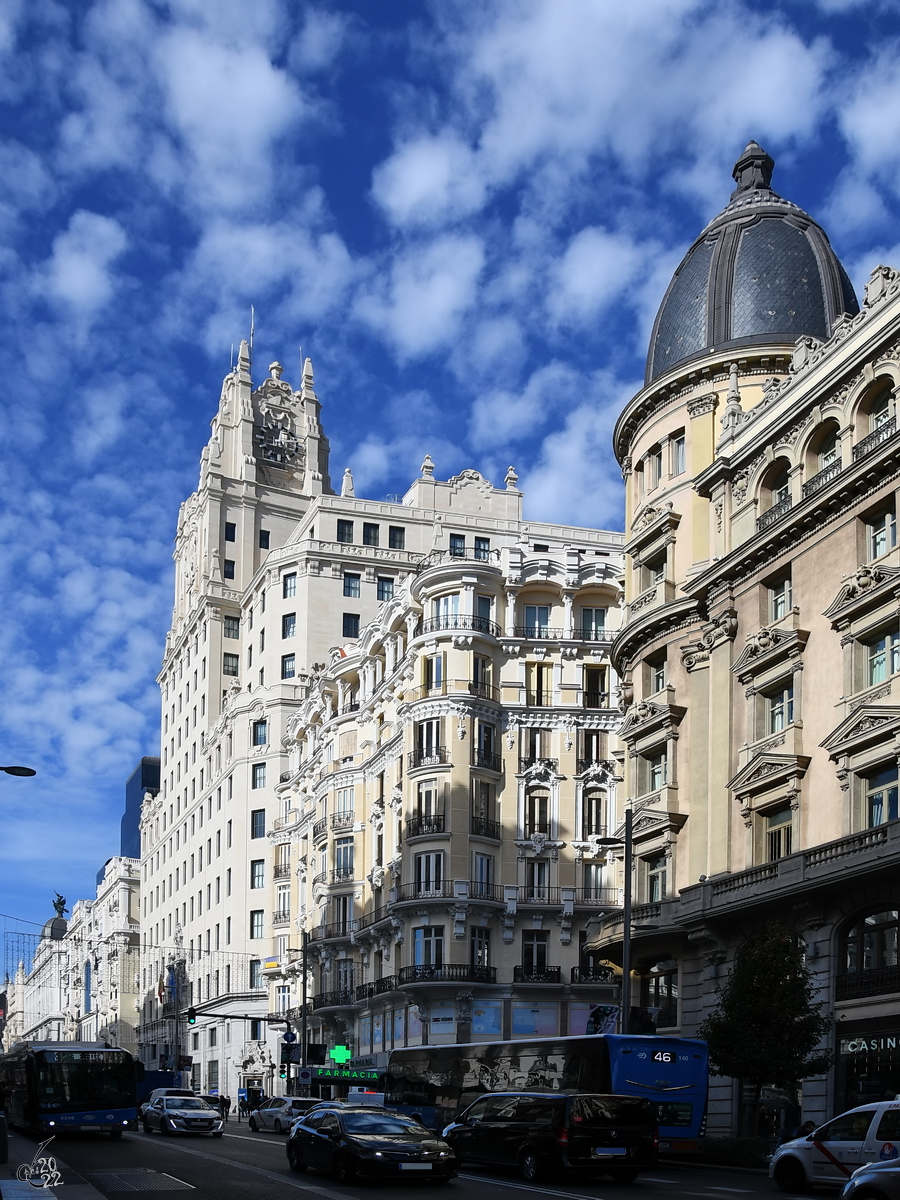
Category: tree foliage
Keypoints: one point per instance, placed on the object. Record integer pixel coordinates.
(767, 1026)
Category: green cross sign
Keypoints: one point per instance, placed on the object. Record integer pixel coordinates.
(340, 1054)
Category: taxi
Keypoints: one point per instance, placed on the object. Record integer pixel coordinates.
(831, 1153)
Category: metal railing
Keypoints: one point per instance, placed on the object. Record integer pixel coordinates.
(377, 914)
(465, 621)
(487, 759)
(668, 1016)
(449, 686)
(351, 707)
(337, 998)
(341, 874)
(448, 973)
(597, 895)
(481, 827)
(430, 757)
(421, 826)
(485, 691)
(878, 981)
(592, 829)
(593, 975)
(320, 828)
(592, 635)
(424, 891)
(282, 871)
(536, 894)
(773, 514)
(526, 763)
(582, 764)
(538, 632)
(281, 916)
(595, 699)
(335, 929)
(816, 482)
(867, 444)
(342, 820)
(485, 891)
(435, 557)
(537, 974)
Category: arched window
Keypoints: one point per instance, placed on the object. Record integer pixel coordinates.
(869, 963)
(593, 813)
(875, 412)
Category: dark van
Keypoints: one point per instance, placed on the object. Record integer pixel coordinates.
(540, 1133)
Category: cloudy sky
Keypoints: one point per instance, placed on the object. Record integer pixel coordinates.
(466, 213)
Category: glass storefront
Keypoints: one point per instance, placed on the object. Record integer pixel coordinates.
(868, 1066)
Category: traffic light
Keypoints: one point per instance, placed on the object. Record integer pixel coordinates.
(283, 1071)
(192, 1016)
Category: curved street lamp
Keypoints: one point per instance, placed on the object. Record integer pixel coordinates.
(19, 770)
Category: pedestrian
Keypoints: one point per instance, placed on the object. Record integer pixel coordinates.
(226, 1107)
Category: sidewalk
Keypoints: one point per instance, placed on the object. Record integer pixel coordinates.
(23, 1150)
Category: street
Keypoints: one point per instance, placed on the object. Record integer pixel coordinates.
(245, 1164)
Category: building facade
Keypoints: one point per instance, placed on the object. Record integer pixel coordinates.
(759, 651)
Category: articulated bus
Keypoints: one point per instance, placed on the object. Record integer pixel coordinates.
(55, 1086)
(437, 1082)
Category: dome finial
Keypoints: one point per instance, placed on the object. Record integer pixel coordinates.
(753, 170)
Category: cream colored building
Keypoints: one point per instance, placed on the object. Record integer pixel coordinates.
(761, 646)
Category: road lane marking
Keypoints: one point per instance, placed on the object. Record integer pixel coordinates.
(743, 1191)
(525, 1187)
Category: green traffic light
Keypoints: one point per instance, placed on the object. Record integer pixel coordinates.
(192, 1016)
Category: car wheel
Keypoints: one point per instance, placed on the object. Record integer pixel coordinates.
(253, 1125)
(624, 1175)
(344, 1169)
(148, 1128)
(790, 1176)
(278, 1127)
(295, 1160)
(530, 1166)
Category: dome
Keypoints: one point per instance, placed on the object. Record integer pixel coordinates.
(761, 273)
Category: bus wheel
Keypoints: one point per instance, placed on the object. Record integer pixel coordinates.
(530, 1166)
(790, 1176)
(115, 1133)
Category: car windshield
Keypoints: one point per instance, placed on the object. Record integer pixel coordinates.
(378, 1123)
(611, 1110)
(191, 1102)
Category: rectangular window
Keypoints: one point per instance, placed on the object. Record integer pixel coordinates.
(434, 673)
(480, 947)
(230, 664)
(655, 466)
(343, 858)
(428, 946)
(385, 588)
(484, 611)
(232, 627)
(228, 569)
(351, 586)
(264, 539)
(345, 531)
(678, 461)
(483, 548)
(256, 982)
(655, 874)
(370, 534)
(257, 823)
(881, 797)
(657, 771)
(593, 624)
(258, 776)
(657, 675)
(780, 601)
(778, 833)
(256, 923)
(230, 531)
(457, 545)
(429, 873)
(483, 872)
(260, 733)
(257, 873)
(289, 625)
(396, 537)
(534, 950)
(537, 813)
(537, 879)
(289, 585)
(780, 705)
(882, 531)
(884, 656)
(537, 620)
(288, 669)
(350, 625)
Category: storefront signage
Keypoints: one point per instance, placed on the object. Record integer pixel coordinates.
(864, 1045)
(343, 1074)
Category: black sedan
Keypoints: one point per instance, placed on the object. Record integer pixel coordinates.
(369, 1142)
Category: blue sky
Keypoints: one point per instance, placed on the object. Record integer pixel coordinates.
(466, 213)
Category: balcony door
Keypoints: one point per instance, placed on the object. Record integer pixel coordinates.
(429, 873)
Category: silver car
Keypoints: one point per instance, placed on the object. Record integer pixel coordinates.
(280, 1113)
(182, 1114)
(875, 1181)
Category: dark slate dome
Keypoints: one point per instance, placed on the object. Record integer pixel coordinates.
(761, 273)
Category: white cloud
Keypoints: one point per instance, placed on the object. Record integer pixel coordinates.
(597, 266)
(429, 179)
(320, 41)
(78, 273)
(502, 417)
(430, 287)
(870, 121)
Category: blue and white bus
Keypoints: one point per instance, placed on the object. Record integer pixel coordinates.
(673, 1073)
(49, 1087)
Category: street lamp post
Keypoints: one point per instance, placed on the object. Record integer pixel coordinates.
(27, 771)
(625, 997)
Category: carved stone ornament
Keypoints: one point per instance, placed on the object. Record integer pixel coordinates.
(803, 353)
(645, 518)
(512, 724)
(376, 877)
(862, 580)
(739, 486)
(883, 281)
(702, 405)
(276, 444)
(395, 800)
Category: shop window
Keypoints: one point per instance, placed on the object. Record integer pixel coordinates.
(871, 943)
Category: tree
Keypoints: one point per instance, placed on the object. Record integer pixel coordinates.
(766, 1027)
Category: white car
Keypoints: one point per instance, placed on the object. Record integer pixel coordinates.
(280, 1113)
(831, 1153)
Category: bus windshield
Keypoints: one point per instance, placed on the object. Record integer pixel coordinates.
(70, 1080)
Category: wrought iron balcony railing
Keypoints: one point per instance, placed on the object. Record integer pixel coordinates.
(877, 981)
(447, 973)
(465, 621)
(342, 820)
(487, 759)
(282, 871)
(822, 478)
(539, 633)
(337, 998)
(341, 874)
(320, 828)
(593, 975)
(430, 756)
(421, 826)
(773, 514)
(526, 763)
(424, 891)
(484, 828)
(537, 974)
(595, 699)
(867, 444)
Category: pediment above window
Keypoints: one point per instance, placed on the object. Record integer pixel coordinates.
(867, 587)
(870, 723)
(651, 523)
(654, 821)
(766, 648)
(764, 772)
(646, 717)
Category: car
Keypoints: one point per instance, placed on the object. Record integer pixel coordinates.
(359, 1141)
(548, 1132)
(182, 1114)
(157, 1092)
(279, 1113)
(831, 1153)
(875, 1181)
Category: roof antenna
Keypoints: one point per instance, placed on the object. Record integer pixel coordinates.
(232, 357)
(252, 323)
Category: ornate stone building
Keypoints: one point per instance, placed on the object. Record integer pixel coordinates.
(761, 644)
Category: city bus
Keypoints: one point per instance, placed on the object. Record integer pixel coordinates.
(437, 1082)
(49, 1087)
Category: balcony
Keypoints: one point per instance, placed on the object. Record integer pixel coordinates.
(430, 756)
(867, 444)
(338, 998)
(341, 874)
(773, 514)
(342, 820)
(537, 974)
(879, 981)
(536, 633)
(595, 699)
(602, 896)
(320, 828)
(446, 687)
(537, 893)
(372, 918)
(351, 707)
(485, 691)
(423, 891)
(539, 699)
(423, 826)
(282, 871)
(525, 764)
(465, 621)
(449, 973)
(320, 878)
(484, 828)
(592, 635)
(485, 891)
(582, 764)
(281, 916)
(594, 975)
(336, 929)
(822, 479)
(592, 829)
(377, 987)
(488, 760)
